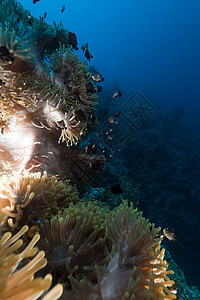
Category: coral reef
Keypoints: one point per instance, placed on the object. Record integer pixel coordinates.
(47, 103)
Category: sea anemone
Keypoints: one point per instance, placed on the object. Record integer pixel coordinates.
(19, 283)
(101, 254)
(74, 242)
(137, 269)
(72, 73)
(27, 198)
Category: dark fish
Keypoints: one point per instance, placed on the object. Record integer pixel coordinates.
(99, 88)
(2, 82)
(84, 47)
(88, 55)
(111, 119)
(72, 40)
(62, 9)
(104, 150)
(34, 1)
(70, 83)
(98, 184)
(79, 115)
(93, 118)
(106, 111)
(116, 189)
(91, 149)
(42, 18)
(5, 54)
(90, 88)
(97, 77)
(61, 124)
(117, 94)
(109, 137)
(88, 149)
(83, 132)
(169, 234)
(95, 165)
(94, 149)
(30, 19)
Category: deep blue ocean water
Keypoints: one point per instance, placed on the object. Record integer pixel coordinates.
(149, 46)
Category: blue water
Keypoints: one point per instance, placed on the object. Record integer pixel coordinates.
(150, 46)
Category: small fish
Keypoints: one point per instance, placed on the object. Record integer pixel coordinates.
(93, 118)
(116, 189)
(169, 234)
(88, 55)
(72, 40)
(117, 94)
(109, 137)
(104, 150)
(99, 88)
(91, 149)
(2, 82)
(5, 54)
(90, 88)
(88, 149)
(84, 47)
(34, 1)
(61, 124)
(32, 231)
(97, 77)
(111, 119)
(98, 184)
(95, 165)
(79, 115)
(30, 19)
(83, 132)
(42, 18)
(106, 111)
(94, 149)
(70, 83)
(62, 9)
